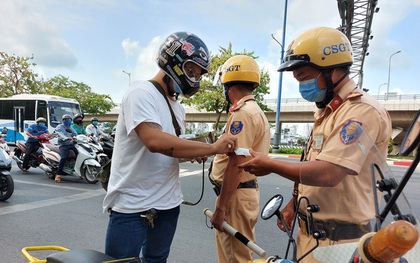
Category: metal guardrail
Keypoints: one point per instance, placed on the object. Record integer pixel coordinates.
(389, 97)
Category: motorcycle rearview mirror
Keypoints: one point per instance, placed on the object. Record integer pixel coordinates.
(412, 137)
(272, 207)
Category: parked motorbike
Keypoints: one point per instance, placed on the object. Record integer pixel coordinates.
(6, 181)
(83, 165)
(3, 143)
(65, 255)
(96, 146)
(108, 145)
(36, 157)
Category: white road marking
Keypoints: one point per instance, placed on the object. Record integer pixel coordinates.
(184, 172)
(86, 193)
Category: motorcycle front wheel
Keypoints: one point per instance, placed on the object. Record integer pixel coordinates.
(90, 173)
(17, 153)
(20, 165)
(20, 155)
(50, 175)
(7, 186)
(104, 160)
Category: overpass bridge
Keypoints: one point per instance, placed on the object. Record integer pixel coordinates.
(402, 109)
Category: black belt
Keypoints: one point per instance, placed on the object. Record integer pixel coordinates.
(334, 230)
(248, 184)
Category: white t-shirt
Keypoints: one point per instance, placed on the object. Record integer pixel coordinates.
(92, 129)
(141, 180)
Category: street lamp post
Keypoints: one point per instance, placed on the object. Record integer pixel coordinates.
(129, 77)
(379, 88)
(389, 72)
(278, 128)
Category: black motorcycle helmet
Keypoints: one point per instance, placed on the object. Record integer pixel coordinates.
(78, 116)
(178, 49)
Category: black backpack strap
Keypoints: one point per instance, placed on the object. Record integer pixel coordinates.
(174, 121)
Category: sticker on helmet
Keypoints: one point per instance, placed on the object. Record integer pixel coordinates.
(178, 70)
(236, 127)
(351, 131)
(203, 53)
(188, 48)
(162, 59)
(179, 58)
(200, 61)
(171, 49)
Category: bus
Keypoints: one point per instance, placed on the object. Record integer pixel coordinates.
(19, 111)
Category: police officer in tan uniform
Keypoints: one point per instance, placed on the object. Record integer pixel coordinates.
(350, 127)
(238, 201)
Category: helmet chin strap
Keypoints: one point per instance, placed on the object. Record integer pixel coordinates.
(167, 80)
(330, 88)
(226, 89)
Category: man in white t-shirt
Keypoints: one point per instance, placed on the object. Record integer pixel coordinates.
(144, 192)
(93, 130)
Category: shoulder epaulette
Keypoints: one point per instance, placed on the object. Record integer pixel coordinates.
(354, 94)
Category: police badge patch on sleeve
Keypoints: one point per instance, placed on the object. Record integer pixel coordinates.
(351, 131)
(236, 127)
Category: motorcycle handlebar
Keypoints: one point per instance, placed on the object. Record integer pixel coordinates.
(228, 228)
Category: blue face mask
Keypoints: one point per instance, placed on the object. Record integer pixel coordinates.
(67, 122)
(95, 123)
(309, 90)
(177, 88)
(41, 124)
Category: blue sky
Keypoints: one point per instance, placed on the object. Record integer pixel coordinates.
(93, 41)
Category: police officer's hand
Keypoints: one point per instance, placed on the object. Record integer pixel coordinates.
(288, 213)
(225, 144)
(217, 219)
(258, 165)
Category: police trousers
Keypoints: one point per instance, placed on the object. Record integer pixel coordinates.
(242, 214)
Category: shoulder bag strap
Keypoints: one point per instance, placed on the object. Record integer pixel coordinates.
(174, 121)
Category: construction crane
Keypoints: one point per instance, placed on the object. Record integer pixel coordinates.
(356, 22)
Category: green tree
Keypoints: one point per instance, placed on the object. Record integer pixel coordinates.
(212, 99)
(90, 102)
(16, 75)
(390, 145)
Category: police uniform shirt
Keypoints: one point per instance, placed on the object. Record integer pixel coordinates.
(250, 125)
(338, 138)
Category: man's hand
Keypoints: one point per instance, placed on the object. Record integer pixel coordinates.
(259, 165)
(225, 144)
(199, 159)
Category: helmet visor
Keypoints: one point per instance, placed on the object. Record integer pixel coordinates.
(292, 62)
(216, 80)
(192, 71)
